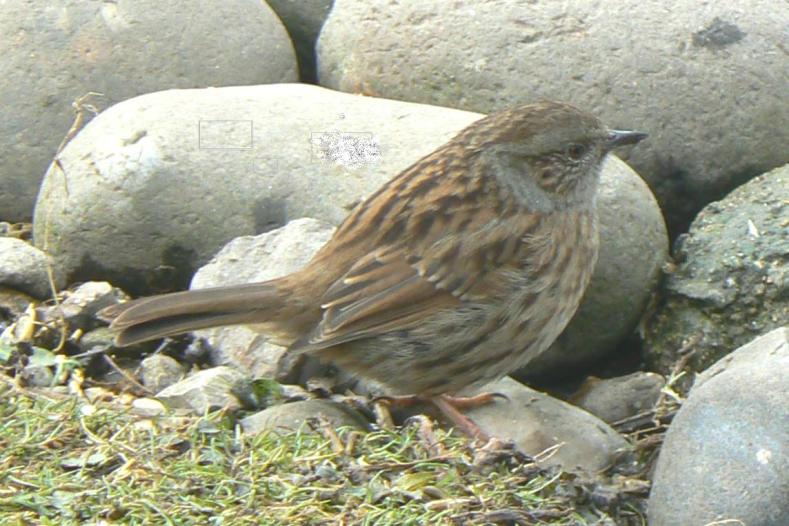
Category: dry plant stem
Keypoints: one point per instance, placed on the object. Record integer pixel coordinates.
(686, 353)
(407, 465)
(328, 431)
(129, 378)
(350, 443)
(79, 120)
(383, 417)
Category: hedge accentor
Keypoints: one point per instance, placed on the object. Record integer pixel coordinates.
(459, 270)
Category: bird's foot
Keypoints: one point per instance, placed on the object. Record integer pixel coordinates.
(450, 407)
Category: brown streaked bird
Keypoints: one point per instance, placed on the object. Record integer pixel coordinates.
(456, 272)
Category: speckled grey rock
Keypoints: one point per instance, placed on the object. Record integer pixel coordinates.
(160, 371)
(54, 54)
(79, 307)
(725, 458)
(706, 80)
(23, 267)
(614, 399)
(247, 259)
(148, 407)
(536, 422)
(37, 376)
(731, 283)
(206, 390)
(303, 20)
(291, 417)
(100, 338)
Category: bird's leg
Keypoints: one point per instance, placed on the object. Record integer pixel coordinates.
(450, 406)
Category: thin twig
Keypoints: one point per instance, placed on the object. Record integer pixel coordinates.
(126, 375)
(406, 465)
(79, 106)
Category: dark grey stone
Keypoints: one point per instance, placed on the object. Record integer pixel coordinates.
(98, 339)
(731, 282)
(38, 376)
(614, 399)
(23, 267)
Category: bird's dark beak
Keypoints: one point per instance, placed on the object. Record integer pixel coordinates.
(622, 137)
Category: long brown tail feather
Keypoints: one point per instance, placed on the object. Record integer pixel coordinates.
(171, 314)
(173, 325)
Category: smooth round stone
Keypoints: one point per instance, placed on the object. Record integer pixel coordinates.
(725, 458)
(159, 183)
(56, 53)
(293, 416)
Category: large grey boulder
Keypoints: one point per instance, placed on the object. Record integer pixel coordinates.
(706, 80)
(615, 399)
(55, 53)
(725, 458)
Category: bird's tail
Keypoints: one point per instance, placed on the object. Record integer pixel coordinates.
(170, 314)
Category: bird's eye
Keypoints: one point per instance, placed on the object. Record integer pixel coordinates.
(576, 151)
(545, 174)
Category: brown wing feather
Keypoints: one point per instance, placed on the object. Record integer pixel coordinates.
(393, 289)
(382, 292)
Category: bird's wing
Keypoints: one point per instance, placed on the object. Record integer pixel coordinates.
(431, 248)
(396, 287)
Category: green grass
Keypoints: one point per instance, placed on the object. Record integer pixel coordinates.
(66, 461)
